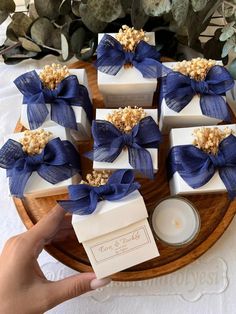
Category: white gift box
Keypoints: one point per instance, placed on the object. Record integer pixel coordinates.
(191, 115)
(128, 87)
(36, 186)
(83, 124)
(231, 98)
(115, 239)
(184, 136)
(122, 161)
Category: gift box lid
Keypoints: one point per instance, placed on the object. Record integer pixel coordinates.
(110, 216)
(127, 79)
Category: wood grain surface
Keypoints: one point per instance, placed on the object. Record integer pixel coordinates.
(216, 212)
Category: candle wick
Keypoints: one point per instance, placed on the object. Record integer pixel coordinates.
(177, 223)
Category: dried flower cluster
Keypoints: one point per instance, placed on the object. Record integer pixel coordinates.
(52, 75)
(208, 139)
(97, 178)
(196, 68)
(130, 37)
(34, 141)
(126, 118)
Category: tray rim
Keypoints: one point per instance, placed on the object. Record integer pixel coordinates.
(135, 275)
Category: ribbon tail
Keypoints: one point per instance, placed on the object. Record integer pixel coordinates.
(79, 207)
(36, 113)
(140, 159)
(63, 114)
(17, 183)
(149, 68)
(56, 174)
(228, 176)
(215, 106)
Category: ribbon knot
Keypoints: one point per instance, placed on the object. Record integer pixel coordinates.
(67, 94)
(110, 141)
(200, 87)
(32, 162)
(102, 190)
(129, 57)
(83, 198)
(218, 160)
(178, 90)
(128, 139)
(50, 94)
(197, 167)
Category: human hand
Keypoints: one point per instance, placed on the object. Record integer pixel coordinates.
(23, 287)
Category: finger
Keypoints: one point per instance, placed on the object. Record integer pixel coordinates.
(74, 286)
(46, 228)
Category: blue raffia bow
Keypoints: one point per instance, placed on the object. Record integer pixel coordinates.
(179, 90)
(109, 142)
(84, 198)
(57, 162)
(67, 94)
(111, 57)
(197, 167)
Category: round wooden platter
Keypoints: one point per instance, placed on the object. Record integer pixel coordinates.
(216, 212)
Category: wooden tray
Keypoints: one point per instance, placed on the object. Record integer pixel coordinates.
(216, 213)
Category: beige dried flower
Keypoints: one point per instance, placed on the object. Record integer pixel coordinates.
(97, 178)
(196, 68)
(52, 75)
(130, 37)
(126, 118)
(208, 139)
(34, 141)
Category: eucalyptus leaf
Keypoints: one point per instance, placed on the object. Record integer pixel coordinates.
(20, 24)
(198, 5)
(227, 32)
(138, 16)
(75, 7)
(105, 10)
(56, 38)
(48, 8)
(232, 69)
(41, 31)
(65, 48)
(3, 16)
(228, 46)
(32, 12)
(156, 7)
(180, 11)
(89, 52)
(77, 40)
(29, 45)
(11, 34)
(7, 5)
(65, 7)
(90, 20)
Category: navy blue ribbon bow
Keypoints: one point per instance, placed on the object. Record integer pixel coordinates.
(110, 141)
(111, 57)
(57, 162)
(179, 90)
(67, 94)
(197, 167)
(84, 198)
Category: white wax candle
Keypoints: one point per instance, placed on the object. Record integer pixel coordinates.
(175, 221)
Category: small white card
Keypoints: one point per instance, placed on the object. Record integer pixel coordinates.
(121, 249)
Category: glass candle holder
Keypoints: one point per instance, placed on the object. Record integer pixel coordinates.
(175, 221)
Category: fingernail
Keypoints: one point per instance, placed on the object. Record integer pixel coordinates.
(98, 283)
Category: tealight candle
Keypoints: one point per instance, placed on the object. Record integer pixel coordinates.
(175, 221)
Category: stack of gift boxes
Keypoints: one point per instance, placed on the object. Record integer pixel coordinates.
(109, 215)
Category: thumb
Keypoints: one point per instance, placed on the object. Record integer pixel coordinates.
(73, 286)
